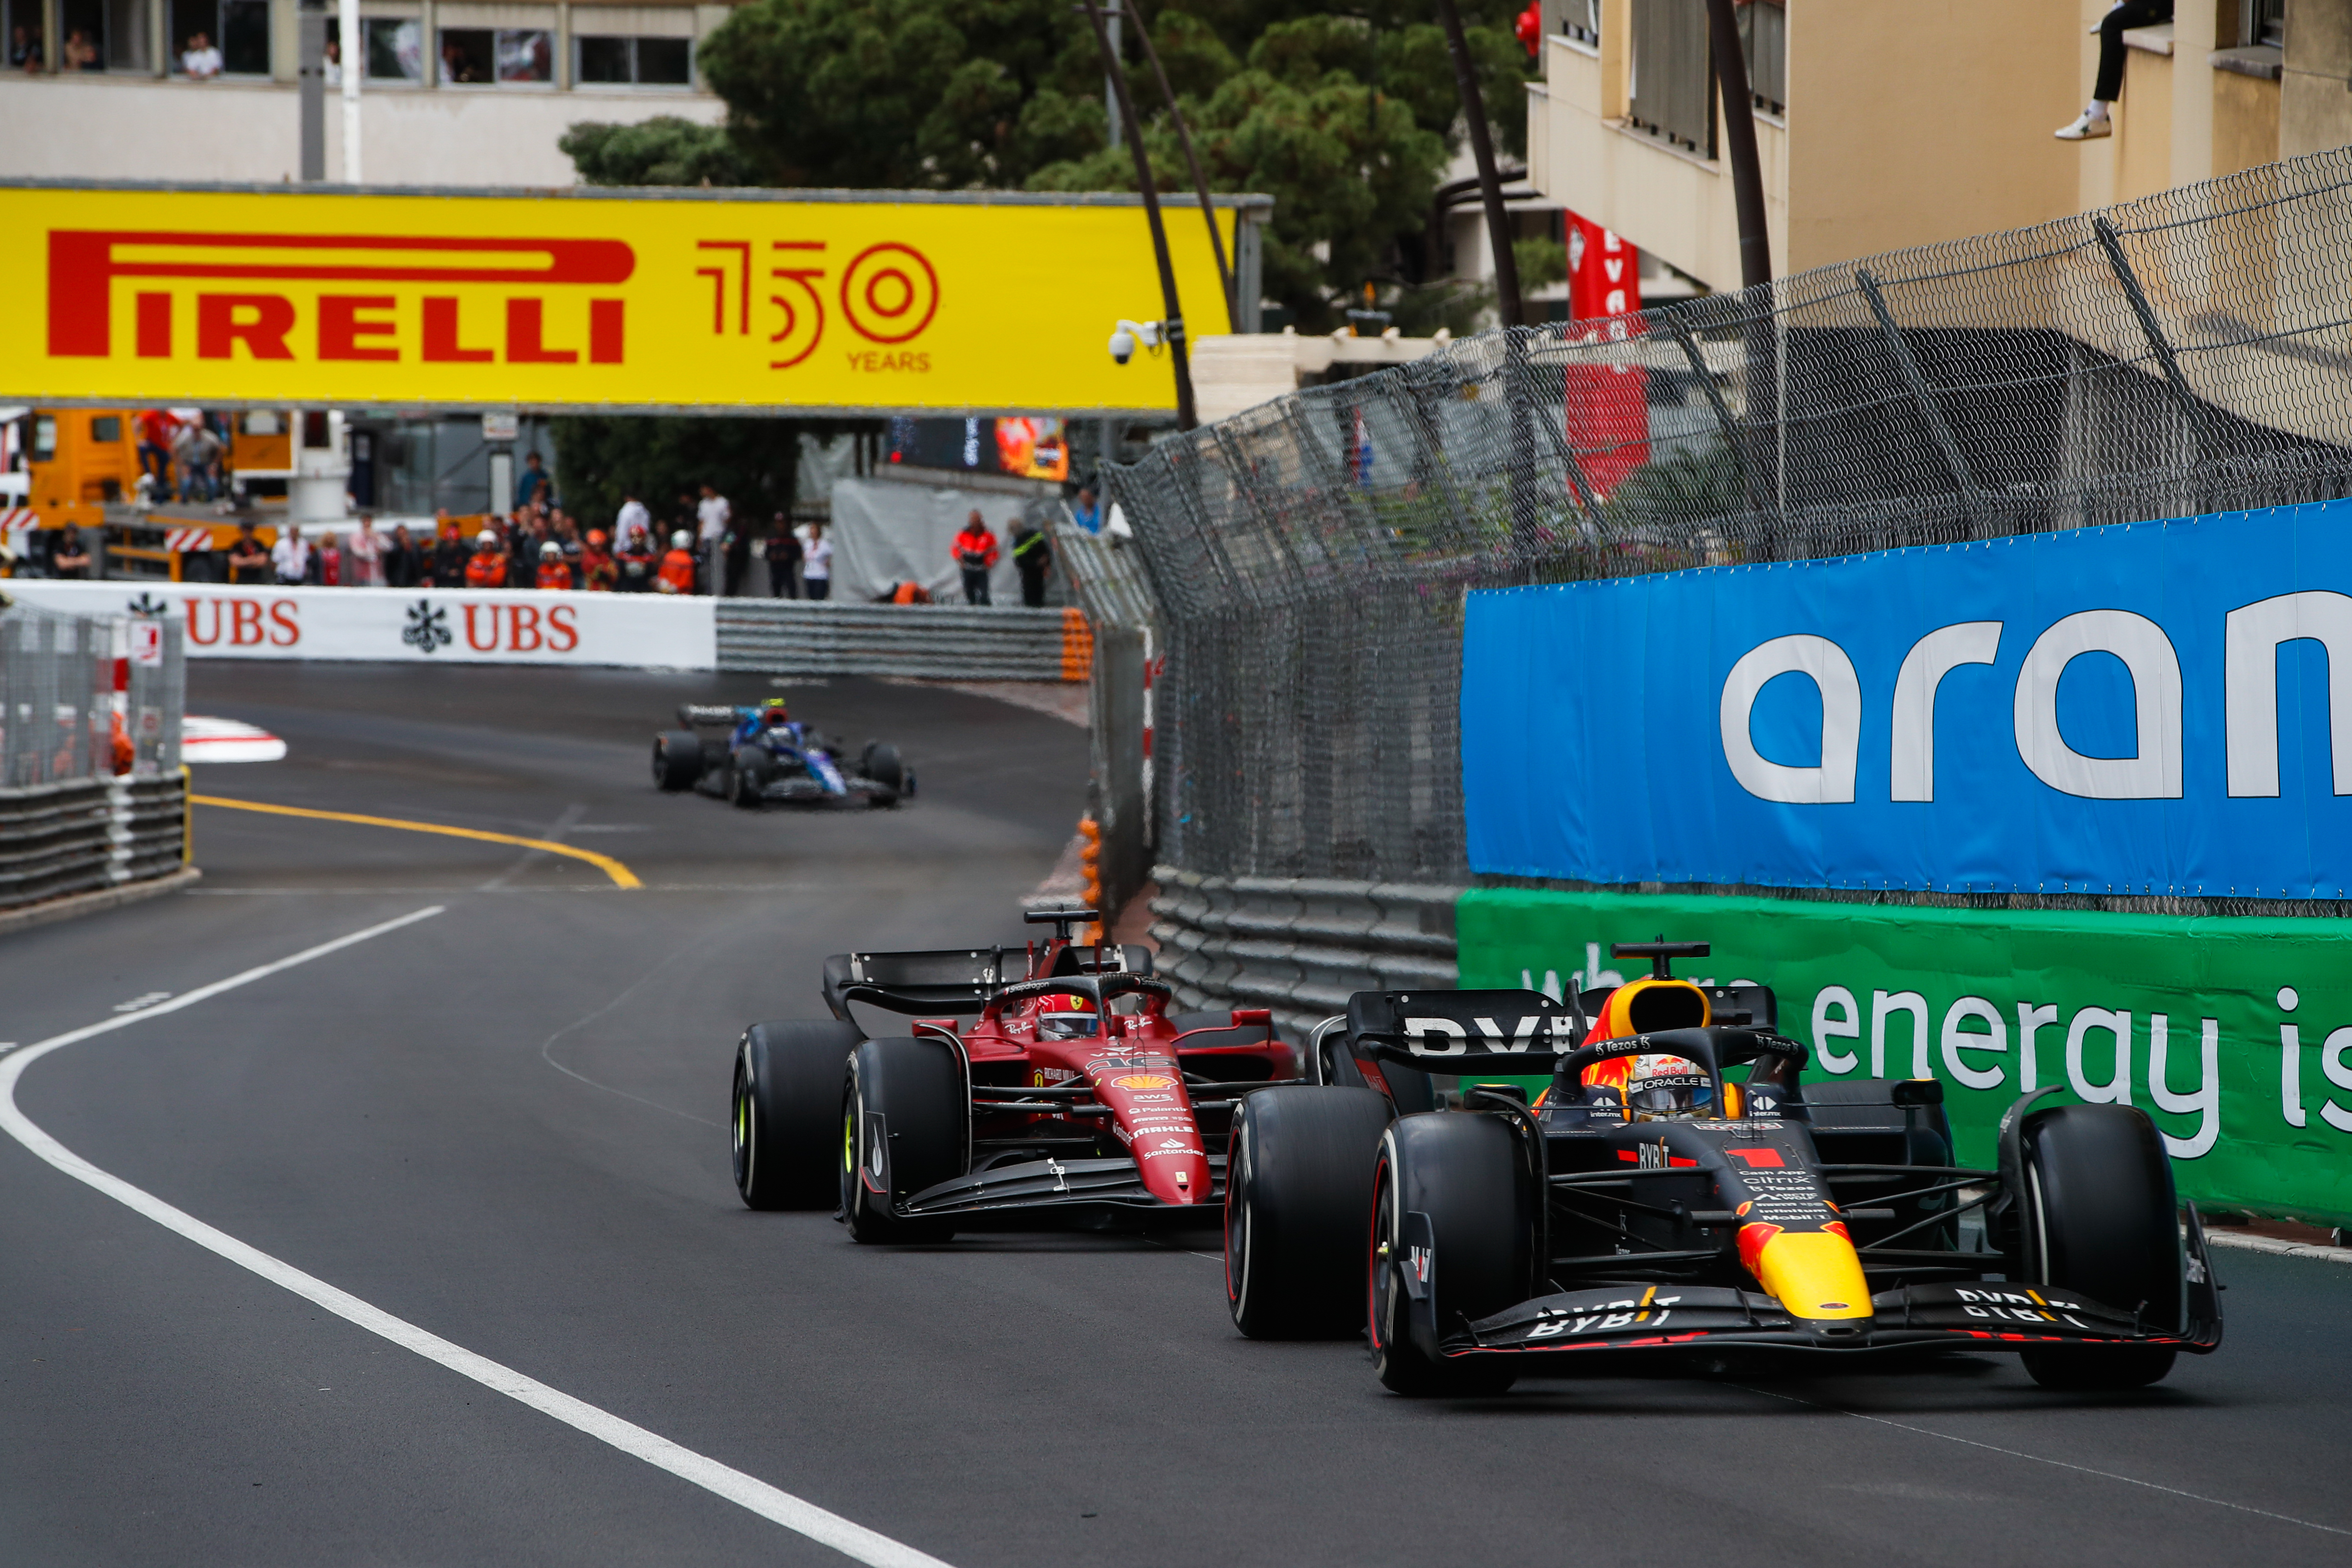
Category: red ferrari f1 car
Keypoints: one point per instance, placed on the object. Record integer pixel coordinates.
(1073, 1089)
(1650, 1202)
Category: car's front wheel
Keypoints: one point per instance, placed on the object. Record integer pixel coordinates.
(1453, 1241)
(677, 759)
(2100, 1219)
(906, 1125)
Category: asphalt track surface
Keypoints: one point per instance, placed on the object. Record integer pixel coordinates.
(505, 1124)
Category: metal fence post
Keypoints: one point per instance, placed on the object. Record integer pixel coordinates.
(2191, 407)
(1925, 397)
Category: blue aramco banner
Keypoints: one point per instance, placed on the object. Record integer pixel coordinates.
(2152, 708)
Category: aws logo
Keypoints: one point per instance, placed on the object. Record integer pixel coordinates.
(547, 315)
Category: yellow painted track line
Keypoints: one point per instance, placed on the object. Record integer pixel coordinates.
(622, 876)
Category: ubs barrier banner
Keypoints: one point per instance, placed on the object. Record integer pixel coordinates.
(472, 626)
(2234, 1035)
(2159, 708)
(555, 300)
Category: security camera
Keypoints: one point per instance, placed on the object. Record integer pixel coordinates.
(1127, 335)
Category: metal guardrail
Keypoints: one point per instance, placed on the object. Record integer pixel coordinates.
(790, 637)
(1298, 945)
(89, 834)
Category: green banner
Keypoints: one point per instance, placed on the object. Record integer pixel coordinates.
(2234, 1035)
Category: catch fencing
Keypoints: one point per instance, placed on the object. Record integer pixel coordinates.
(944, 642)
(2182, 354)
(92, 795)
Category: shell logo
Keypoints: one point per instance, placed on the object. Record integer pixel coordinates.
(1143, 1080)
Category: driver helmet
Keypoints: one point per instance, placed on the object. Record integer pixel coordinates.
(774, 714)
(1668, 1086)
(486, 541)
(680, 539)
(1069, 1017)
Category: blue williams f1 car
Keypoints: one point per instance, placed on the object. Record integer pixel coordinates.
(753, 756)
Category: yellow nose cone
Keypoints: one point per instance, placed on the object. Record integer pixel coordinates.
(1813, 1274)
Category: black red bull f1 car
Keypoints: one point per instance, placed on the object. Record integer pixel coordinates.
(754, 755)
(1051, 1079)
(1681, 1187)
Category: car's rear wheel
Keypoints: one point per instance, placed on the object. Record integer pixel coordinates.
(881, 765)
(1453, 1218)
(787, 1087)
(677, 759)
(1298, 1210)
(906, 1124)
(2100, 1219)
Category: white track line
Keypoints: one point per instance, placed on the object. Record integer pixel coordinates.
(2045, 1459)
(850, 1539)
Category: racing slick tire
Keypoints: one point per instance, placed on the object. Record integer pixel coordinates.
(677, 759)
(2100, 1219)
(1298, 1209)
(1464, 1171)
(787, 1075)
(906, 1124)
(881, 763)
(750, 777)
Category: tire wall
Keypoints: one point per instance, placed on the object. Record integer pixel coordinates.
(2187, 1018)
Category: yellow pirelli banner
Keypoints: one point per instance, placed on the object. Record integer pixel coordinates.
(819, 302)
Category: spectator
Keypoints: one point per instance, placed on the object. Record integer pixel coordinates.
(904, 594)
(677, 566)
(598, 569)
(402, 566)
(632, 514)
(249, 558)
(712, 515)
(365, 565)
(327, 564)
(816, 562)
(487, 569)
(2095, 120)
(452, 563)
(292, 558)
(70, 558)
(553, 574)
(974, 551)
(737, 549)
(24, 49)
(635, 559)
(196, 452)
(334, 63)
(81, 55)
(202, 61)
(1087, 512)
(156, 429)
(531, 481)
(1033, 557)
(784, 549)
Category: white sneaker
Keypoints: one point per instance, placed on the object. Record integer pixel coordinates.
(2088, 127)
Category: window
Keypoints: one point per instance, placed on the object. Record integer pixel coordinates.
(485, 54)
(645, 62)
(84, 24)
(2261, 22)
(396, 49)
(238, 29)
(1580, 20)
(106, 428)
(24, 18)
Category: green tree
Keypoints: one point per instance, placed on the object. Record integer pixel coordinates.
(663, 151)
(605, 459)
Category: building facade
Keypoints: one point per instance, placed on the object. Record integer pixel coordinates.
(454, 92)
(1888, 123)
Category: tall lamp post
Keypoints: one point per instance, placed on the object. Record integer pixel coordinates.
(1187, 417)
(1490, 183)
(1739, 142)
(1200, 180)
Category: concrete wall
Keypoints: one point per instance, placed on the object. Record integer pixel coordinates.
(135, 127)
(2316, 92)
(1913, 120)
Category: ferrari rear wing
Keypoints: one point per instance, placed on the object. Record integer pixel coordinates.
(956, 982)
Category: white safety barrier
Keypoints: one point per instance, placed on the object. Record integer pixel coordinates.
(434, 626)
